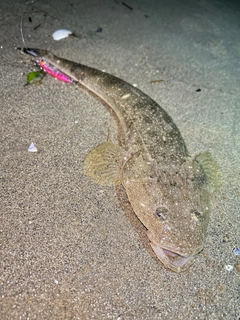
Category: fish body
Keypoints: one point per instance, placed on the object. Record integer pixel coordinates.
(168, 189)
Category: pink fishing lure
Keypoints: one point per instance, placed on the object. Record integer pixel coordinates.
(53, 71)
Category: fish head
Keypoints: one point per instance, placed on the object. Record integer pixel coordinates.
(175, 210)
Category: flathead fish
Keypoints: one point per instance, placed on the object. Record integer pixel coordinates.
(168, 189)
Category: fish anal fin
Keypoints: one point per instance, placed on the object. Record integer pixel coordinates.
(211, 169)
(105, 163)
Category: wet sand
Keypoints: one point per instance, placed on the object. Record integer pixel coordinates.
(69, 247)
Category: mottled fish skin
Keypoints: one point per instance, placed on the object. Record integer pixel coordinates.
(167, 189)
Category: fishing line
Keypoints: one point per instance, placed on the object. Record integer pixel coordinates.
(21, 23)
(30, 19)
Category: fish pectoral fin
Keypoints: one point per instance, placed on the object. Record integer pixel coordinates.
(212, 170)
(105, 163)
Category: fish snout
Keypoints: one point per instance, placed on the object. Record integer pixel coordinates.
(170, 259)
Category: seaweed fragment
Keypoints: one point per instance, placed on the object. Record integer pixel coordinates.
(35, 77)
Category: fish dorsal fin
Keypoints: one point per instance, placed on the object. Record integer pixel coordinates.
(105, 163)
(212, 170)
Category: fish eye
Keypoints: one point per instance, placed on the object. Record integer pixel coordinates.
(162, 212)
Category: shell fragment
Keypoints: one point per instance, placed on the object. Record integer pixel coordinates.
(61, 34)
(229, 267)
(32, 148)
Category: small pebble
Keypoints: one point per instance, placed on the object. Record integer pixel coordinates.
(236, 251)
(99, 29)
(237, 266)
(135, 85)
(228, 267)
(227, 238)
(32, 148)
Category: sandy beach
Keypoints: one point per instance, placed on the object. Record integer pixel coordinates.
(69, 247)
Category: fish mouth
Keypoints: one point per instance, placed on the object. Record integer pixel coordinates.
(172, 260)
